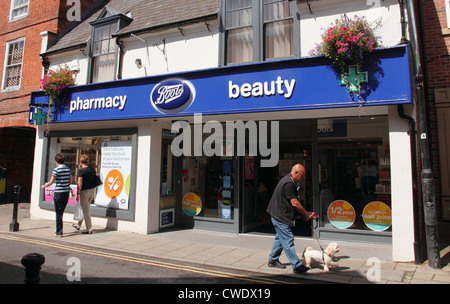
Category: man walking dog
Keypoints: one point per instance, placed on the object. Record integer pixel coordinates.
(282, 208)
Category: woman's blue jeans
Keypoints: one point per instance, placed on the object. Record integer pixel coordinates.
(60, 200)
(284, 240)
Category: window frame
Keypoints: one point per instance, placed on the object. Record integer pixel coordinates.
(6, 67)
(239, 27)
(127, 215)
(19, 6)
(92, 56)
(258, 26)
(107, 17)
(266, 23)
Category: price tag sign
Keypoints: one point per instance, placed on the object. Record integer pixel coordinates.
(192, 204)
(341, 214)
(377, 216)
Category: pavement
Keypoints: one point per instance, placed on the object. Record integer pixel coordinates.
(355, 263)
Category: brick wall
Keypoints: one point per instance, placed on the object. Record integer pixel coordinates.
(436, 62)
(14, 104)
(437, 40)
(17, 143)
(44, 15)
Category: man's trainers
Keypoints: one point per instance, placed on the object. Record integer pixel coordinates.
(301, 269)
(276, 264)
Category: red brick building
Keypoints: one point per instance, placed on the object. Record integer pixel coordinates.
(434, 16)
(24, 27)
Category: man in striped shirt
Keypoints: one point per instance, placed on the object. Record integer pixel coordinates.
(62, 177)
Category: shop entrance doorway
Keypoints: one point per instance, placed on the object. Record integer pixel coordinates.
(258, 191)
(295, 146)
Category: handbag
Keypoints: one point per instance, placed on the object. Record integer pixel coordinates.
(98, 181)
(78, 214)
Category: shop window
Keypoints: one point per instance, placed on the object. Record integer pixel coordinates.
(111, 155)
(259, 30)
(208, 187)
(167, 202)
(167, 162)
(208, 179)
(19, 9)
(14, 63)
(354, 174)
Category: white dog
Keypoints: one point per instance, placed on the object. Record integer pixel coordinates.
(325, 257)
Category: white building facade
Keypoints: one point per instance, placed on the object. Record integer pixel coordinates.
(241, 64)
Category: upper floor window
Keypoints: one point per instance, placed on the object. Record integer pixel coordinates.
(278, 29)
(19, 9)
(239, 31)
(14, 62)
(259, 30)
(104, 52)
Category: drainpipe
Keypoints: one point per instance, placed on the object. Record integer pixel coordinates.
(403, 22)
(121, 53)
(427, 180)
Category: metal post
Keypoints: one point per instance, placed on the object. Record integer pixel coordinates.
(428, 191)
(32, 263)
(427, 180)
(14, 225)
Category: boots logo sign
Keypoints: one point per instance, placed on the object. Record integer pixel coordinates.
(172, 96)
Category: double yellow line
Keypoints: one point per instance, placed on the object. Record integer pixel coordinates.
(221, 274)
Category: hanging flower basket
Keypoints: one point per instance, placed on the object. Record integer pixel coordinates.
(346, 42)
(54, 84)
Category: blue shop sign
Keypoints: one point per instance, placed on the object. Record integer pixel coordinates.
(294, 84)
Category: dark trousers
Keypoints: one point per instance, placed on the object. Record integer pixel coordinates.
(60, 200)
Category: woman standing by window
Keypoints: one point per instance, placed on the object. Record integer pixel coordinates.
(86, 180)
(62, 176)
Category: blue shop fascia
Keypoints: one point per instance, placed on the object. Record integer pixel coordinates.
(341, 131)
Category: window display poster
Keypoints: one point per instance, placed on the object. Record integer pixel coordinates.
(166, 218)
(115, 173)
(226, 212)
(377, 216)
(227, 182)
(48, 194)
(341, 214)
(192, 204)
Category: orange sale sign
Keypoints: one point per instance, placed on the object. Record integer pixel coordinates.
(377, 216)
(192, 204)
(341, 214)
